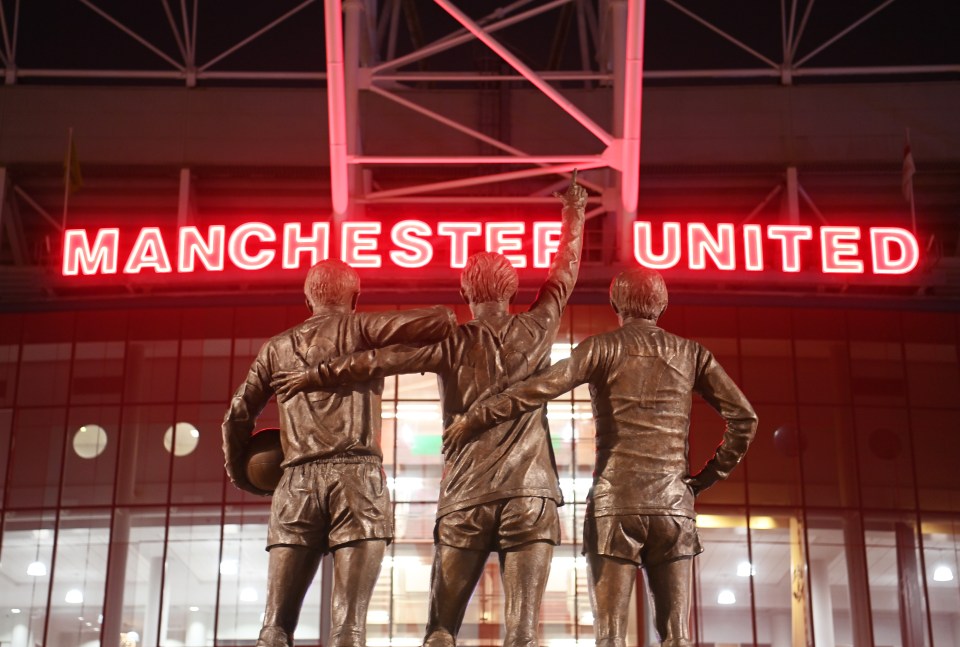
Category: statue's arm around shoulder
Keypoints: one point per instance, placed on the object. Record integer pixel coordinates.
(417, 326)
(527, 395)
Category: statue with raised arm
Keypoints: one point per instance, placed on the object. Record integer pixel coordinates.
(332, 496)
(498, 494)
(640, 512)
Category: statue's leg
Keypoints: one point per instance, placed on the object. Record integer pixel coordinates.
(455, 574)
(612, 583)
(356, 567)
(524, 571)
(290, 571)
(670, 585)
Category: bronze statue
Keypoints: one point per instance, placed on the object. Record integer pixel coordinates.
(640, 510)
(500, 493)
(332, 496)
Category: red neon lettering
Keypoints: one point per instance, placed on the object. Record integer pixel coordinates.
(459, 232)
(357, 238)
(836, 248)
(237, 247)
(317, 244)
(546, 241)
(416, 252)
(790, 237)
(148, 252)
(78, 258)
(881, 239)
(700, 243)
(752, 248)
(503, 237)
(192, 246)
(642, 248)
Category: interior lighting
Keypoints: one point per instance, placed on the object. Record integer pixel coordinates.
(726, 596)
(133, 637)
(745, 569)
(14, 610)
(943, 574)
(194, 608)
(248, 594)
(228, 567)
(37, 569)
(74, 596)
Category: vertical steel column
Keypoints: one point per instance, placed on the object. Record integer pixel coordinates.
(632, 105)
(336, 107)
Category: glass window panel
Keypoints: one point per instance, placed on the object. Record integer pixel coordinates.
(417, 386)
(723, 615)
(933, 378)
(205, 370)
(34, 476)
(896, 581)
(873, 325)
(76, 611)
(876, 373)
(823, 371)
(828, 579)
(44, 373)
(9, 356)
(407, 570)
(773, 461)
(585, 455)
(771, 573)
(937, 444)
(133, 600)
(190, 581)
(941, 546)
(886, 473)
(97, 372)
(767, 366)
(413, 522)
(26, 567)
(418, 462)
(198, 475)
(151, 371)
(243, 576)
(90, 458)
(830, 449)
(143, 468)
(6, 433)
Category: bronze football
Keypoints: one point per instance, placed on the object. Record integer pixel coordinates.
(263, 459)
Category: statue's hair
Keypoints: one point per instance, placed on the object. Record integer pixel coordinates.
(639, 293)
(331, 282)
(488, 277)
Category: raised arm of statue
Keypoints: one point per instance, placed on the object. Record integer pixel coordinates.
(562, 276)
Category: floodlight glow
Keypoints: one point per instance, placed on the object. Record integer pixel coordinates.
(726, 596)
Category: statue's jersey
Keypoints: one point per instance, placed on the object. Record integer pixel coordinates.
(641, 380)
(338, 423)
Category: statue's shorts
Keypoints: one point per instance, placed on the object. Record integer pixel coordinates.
(645, 540)
(325, 504)
(500, 525)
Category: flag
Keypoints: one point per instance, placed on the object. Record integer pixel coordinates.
(71, 168)
(909, 169)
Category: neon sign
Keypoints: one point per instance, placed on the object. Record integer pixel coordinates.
(410, 244)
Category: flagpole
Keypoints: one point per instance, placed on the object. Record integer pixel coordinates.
(913, 204)
(66, 175)
(908, 172)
